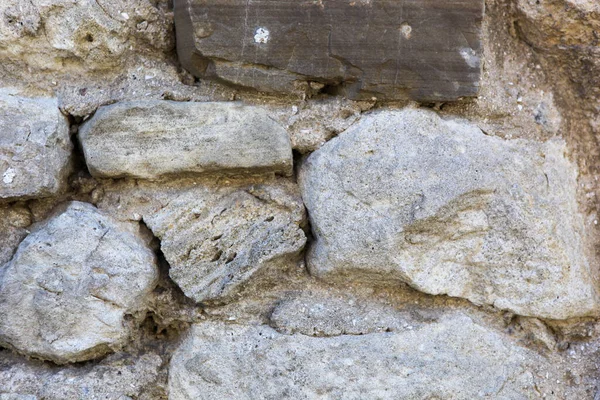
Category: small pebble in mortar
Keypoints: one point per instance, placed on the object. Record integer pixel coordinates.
(261, 35)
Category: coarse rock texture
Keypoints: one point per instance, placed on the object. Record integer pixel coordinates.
(120, 377)
(35, 146)
(13, 225)
(311, 124)
(538, 84)
(151, 139)
(572, 44)
(563, 37)
(325, 314)
(89, 53)
(453, 358)
(66, 292)
(388, 49)
(217, 238)
(408, 196)
(90, 35)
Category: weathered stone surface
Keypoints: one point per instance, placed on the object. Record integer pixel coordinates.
(120, 378)
(425, 50)
(216, 244)
(55, 35)
(66, 291)
(451, 359)
(311, 123)
(322, 314)
(407, 196)
(150, 139)
(14, 221)
(219, 238)
(34, 146)
(567, 33)
(14, 396)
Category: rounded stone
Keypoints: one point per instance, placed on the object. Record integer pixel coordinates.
(66, 292)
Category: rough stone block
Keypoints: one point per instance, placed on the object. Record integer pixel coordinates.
(407, 196)
(453, 358)
(151, 139)
(66, 291)
(217, 239)
(34, 146)
(323, 314)
(125, 377)
(419, 49)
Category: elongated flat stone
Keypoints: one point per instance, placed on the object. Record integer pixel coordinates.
(151, 139)
(419, 49)
(453, 358)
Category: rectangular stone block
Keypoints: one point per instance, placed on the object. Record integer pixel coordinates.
(389, 49)
(452, 358)
(35, 146)
(153, 139)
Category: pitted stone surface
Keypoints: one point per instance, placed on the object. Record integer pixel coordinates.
(219, 238)
(150, 139)
(451, 359)
(425, 50)
(122, 378)
(319, 314)
(34, 146)
(492, 221)
(74, 37)
(408, 196)
(66, 291)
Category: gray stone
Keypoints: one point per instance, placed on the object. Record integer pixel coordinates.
(407, 196)
(122, 378)
(14, 221)
(311, 123)
(388, 49)
(65, 293)
(150, 139)
(218, 238)
(322, 314)
(15, 396)
(34, 146)
(454, 358)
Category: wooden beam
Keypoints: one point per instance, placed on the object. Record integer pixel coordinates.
(426, 50)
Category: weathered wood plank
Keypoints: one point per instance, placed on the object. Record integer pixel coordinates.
(390, 49)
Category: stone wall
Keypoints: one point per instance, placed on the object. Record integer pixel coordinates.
(164, 236)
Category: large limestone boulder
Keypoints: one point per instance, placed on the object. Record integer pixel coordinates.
(218, 238)
(34, 146)
(65, 293)
(150, 139)
(407, 196)
(453, 358)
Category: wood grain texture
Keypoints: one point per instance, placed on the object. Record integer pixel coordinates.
(389, 49)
